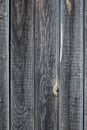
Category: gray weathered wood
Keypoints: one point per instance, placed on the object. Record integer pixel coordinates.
(71, 66)
(85, 71)
(4, 65)
(46, 64)
(22, 65)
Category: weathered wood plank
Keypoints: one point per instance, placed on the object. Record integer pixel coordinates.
(22, 65)
(71, 66)
(46, 64)
(4, 65)
(85, 71)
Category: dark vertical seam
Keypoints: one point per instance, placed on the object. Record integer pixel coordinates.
(83, 62)
(58, 27)
(60, 15)
(34, 18)
(9, 64)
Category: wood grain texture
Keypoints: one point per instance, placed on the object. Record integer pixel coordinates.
(46, 66)
(4, 65)
(85, 85)
(71, 66)
(22, 65)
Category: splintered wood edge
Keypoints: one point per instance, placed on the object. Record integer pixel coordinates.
(56, 88)
(69, 6)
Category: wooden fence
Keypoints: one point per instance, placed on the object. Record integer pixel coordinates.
(43, 65)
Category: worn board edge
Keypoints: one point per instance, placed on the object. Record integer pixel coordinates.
(85, 64)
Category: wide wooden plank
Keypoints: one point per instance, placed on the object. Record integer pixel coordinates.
(85, 67)
(22, 65)
(71, 66)
(4, 65)
(46, 64)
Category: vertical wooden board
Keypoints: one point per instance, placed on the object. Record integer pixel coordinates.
(46, 64)
(4, 65)
(85, 88)
(71, 66)
(22, 65)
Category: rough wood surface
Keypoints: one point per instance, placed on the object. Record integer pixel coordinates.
(4, 65)
(71, 66)
(85, 71)
(22, 65)
(46, 66)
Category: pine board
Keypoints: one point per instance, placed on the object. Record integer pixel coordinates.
(22, 65)
(71, 66)
(46, 64)
(4, 65)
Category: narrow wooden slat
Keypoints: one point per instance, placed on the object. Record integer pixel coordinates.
(46, 64)
(71, 66)
(4, 65)
(22, 65)
(85, 88)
